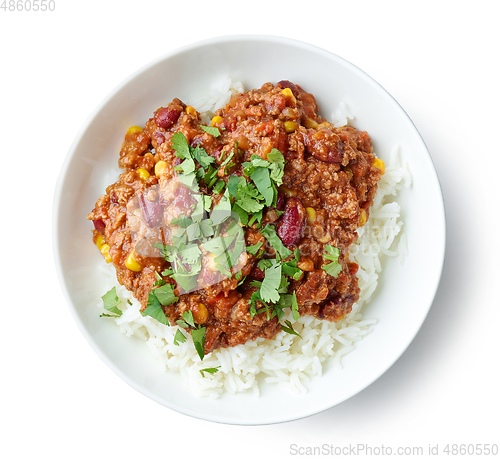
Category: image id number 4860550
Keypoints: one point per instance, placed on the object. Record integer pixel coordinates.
(28, 5)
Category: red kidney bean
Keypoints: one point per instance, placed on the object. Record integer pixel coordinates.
(151, 211)
(99, 225)
(183, 200)
(292, 222)
(257, 273)
(196, 141)
(159, 137)
(166, 117)
(280, 201)
(288, 84)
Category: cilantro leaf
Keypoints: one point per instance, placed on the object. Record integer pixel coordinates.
(223, 164)
(188, 317)
(290, 267)
(154, 309)
(202, 156)
(165, 295)
(269, 232)
(249, 204)
(222, 210)
(295, 307)
(179, 338)
(209, 370)
(214, 131)
(241, 214)
(180, 145)
(277, 167)
(262, 181)
(181, 221)
(111, 301)
(289, 328)
(207, 203)
(187, 167)
(190, 253)
(219, 186)
(271, 284)
(334, 268)
(199, 340)
(232, 185)
(253, 249)
(206, 227)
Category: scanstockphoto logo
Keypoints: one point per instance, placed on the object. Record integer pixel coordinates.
(360, 449)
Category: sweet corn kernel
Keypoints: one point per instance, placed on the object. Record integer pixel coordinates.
(290, 126)
(160, 168)
(143, 174)
(287, 92)
(99, 242)
(105, 252)
(326, 238)
(311, 215)
(200, 313)
(134, 130)
(380, 165)
(287, 191)
(306, 264)
(310, 124)
(362, 218)
(132, 263)
(191, 111)
(216, 120)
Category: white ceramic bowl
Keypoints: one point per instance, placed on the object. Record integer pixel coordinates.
(405, 293)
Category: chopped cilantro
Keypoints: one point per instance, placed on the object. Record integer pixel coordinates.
(334, 268)
(269, 233)
(199, 340)
(232, 185)
(202, 156)
(219, 186)
(288, 327)
(262, 181)
(188, 318)
(111, 301)
(165, 295)
(243, 216)
(253, 249)
(211, 130)
(181, 221)
(222, 210)
(179, 338)
(154, 309)
(180, 145)
(295, 307)
(209, 370)
(271, 283)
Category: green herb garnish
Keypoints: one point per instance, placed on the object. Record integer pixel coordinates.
(111, 301)
(334, 268)
(214, 131)
(209, 370)
(179, 338)
(288, 327)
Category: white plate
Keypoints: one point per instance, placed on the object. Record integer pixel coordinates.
(405, 293)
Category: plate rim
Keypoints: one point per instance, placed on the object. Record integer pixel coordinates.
(71, 152)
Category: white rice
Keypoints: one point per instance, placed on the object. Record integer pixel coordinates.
(286, 359)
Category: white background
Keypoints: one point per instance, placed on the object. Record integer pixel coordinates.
(439, 59)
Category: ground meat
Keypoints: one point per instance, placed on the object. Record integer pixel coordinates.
(328, 186)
